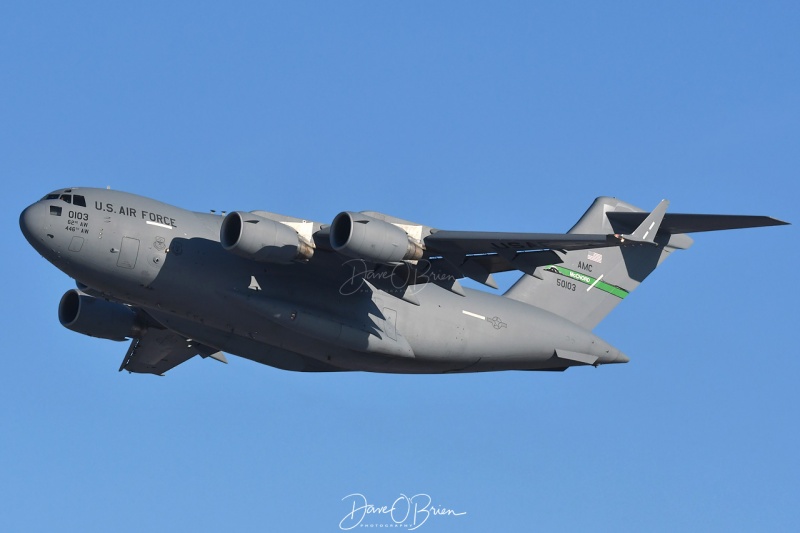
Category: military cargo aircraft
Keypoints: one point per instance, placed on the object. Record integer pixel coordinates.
(367, 292)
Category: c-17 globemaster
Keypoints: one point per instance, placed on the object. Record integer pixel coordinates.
(367, 292)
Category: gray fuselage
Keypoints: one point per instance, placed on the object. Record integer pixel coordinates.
(322, 314)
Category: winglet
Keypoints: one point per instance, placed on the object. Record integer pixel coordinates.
(647, 230)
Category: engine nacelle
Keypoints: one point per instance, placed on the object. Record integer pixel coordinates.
(364, 237)
(97, 317)
(261, 239)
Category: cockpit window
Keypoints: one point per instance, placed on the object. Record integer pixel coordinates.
(75, 199)
(55, 210)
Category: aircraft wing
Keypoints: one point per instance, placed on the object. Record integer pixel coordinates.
(509, 244)
(691, 223)
(477, 242)
(160, 350)
(479, 254)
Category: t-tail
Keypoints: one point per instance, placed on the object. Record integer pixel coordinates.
(588, 284)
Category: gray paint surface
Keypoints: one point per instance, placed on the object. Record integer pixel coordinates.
(290, 296)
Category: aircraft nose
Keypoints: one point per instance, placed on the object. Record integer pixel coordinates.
(30, 220)
(34, 223)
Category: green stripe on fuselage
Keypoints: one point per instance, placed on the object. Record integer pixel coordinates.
(619, 292)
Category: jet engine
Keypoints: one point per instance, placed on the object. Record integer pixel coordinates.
(261, 239)
(97, 317)
(364, 237)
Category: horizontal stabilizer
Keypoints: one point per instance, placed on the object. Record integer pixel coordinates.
(583, 286)
(583, 358)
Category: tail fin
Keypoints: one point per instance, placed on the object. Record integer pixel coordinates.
(588, 284)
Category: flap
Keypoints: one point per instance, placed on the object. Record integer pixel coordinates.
(160, 350)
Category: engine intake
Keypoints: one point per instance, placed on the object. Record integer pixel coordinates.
(261, 239)
(364, 237)
(97, 317)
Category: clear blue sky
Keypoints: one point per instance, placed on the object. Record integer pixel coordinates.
(460, 115)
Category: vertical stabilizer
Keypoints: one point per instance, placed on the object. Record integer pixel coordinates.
(587, 284)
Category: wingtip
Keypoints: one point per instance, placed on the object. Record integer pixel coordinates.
(647, 230)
